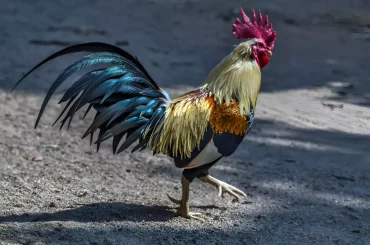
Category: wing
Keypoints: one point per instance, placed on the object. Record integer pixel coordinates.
(200, 155)
(184, 124)
(225, 131)
(230, 130)
(216, 145)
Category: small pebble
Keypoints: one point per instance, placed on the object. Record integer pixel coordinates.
(36, 157)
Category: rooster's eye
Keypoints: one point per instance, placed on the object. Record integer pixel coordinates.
(254, 47)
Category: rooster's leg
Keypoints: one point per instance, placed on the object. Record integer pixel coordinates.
(223, 187)
(188, 175)
(183, 210)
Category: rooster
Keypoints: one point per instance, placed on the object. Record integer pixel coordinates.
(196, 129)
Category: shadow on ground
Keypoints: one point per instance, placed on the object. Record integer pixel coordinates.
(98, 212)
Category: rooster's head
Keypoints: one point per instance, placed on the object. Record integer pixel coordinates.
(260, 34)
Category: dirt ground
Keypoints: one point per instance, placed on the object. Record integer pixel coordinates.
(305, 164)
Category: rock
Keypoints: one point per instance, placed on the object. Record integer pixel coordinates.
(339, 87)
(52, 205)
(82, 194)
(332, 106)
(36, 157)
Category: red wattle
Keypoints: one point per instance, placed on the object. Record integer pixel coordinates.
(263, 59)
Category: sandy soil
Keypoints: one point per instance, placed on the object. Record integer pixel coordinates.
(305, 165)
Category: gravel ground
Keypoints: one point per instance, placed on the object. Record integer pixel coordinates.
(305, 165)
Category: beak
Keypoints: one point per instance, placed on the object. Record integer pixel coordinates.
(269, 53)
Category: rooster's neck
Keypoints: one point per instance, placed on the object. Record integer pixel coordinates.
(236, 77)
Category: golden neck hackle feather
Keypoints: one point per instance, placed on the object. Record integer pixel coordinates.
(236, 77)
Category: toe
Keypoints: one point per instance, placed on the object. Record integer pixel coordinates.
(195, 216)
(233, 194)
(237, 191)
(188, 215)
(219, 190)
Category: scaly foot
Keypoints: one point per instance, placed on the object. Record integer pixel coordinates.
(183, 210)
(223, 187)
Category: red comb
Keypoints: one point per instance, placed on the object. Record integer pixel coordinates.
(254, 29)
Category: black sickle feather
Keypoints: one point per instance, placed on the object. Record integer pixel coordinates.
(126, 99)
(91, 47)
(65, 108)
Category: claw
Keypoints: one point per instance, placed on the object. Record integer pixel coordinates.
(223, 187)
(188, 215)
(174, 200)
(233, 194)
(237, 191)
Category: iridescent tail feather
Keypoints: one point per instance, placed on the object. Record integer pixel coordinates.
(126, 99)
